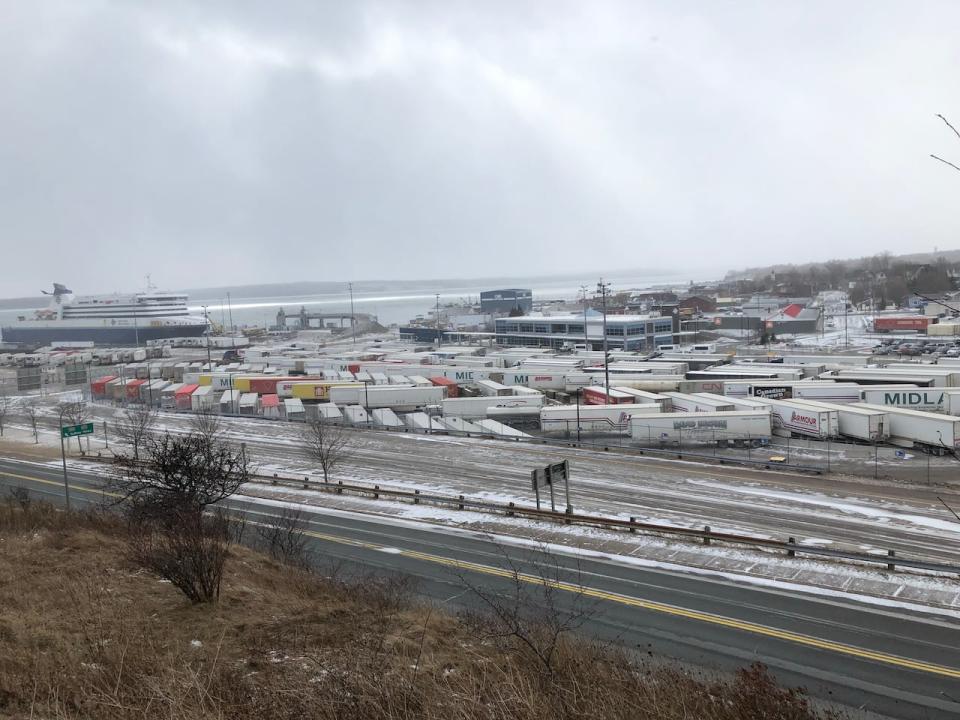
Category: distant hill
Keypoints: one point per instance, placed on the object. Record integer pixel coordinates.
(948, 255)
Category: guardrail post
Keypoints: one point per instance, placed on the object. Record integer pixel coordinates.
(376, 492)
(416, 497)
(510, 511)
(632, 521)
(273, 480)
(339, 487)
(460, 504)
(791, 552)
(706, 534)
(891, 554)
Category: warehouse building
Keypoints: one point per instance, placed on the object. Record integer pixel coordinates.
(626, 332)
(504, 301)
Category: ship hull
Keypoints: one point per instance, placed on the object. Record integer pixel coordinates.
(114, 336)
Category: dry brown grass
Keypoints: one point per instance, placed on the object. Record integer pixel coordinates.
(84, 634)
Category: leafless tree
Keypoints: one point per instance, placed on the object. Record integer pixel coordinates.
(74, 412)
(327, 443)
(4, 409)
(538, 609)
(134, 425)
(32, 412)
(955, 132)
(177, 473)
(207, 423)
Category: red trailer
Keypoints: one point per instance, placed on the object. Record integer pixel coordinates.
(901, 323)
(133, 388)
(596, 396)
(270, 406)
(452, 389)
(182, 399)
(98, 388)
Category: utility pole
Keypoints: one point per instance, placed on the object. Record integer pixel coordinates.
(233, 328)
(439, 340)
(353, 317)
(207, 335)
(603, 288)
(63, 457)
(586, 334)
(846, 320)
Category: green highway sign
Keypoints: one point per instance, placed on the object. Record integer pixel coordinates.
(74, 430)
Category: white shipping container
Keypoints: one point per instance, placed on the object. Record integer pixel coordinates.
(202, 398)
(914, 398)
(386, 418)
(701, 427)
(489, 387)
(682, 402)
(355, 415)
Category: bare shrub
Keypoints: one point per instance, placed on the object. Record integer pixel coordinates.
(535, 612)
(190, 550)
(327, 443)
(206, 423)
(178, 473)
(283, 538)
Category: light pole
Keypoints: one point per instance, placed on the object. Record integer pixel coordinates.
(602, 288)
(353, 317)
(207, 336)
(63, 457)
(233, 328)
(439, 341)
(586, 335)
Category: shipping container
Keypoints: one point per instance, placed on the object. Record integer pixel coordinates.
(393, 396)
(356, 415)
(202, 399)
(229, 402)
(322, 390)
(703, 427)
(490, 387)
(270, 406)
(98, 388)
(450, 387)
(183, 398)
(900, 323)
(924, 376)
(249, 403)
(644, 397)
(133, 389)
(739, 403)
(934, 430)
(293, 409)
(385, 418)
(168, 396)
(418, 421)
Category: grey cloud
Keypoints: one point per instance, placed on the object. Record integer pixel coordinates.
(223, 142)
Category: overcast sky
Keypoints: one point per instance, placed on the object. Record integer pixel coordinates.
(214, 143)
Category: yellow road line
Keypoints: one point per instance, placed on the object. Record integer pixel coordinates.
(714, 619)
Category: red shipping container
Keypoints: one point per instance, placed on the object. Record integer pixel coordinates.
(133, 389)
(917, 323)
(597, 396)
(182, 397)
(99, 386)
(265, 385)
(453, 390)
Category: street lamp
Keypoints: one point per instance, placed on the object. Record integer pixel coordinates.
(603, 288)
(206, 315)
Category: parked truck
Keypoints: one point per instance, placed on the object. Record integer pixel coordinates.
(855, 421)
(795, 418)
(592, 417)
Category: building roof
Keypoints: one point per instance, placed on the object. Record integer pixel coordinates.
(578, 318)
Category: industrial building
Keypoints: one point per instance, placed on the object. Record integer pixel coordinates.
(504, 301)
(626, 332)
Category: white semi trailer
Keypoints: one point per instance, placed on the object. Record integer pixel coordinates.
(909, 427)
(387, 396)
(789, 418)
(857, 422)
(592, 417)
(698, 402)
(913, 398)
(720, 427)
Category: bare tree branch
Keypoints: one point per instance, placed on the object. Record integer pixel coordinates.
(955, 132)
(946, 162)
(32, 412)
(75, 412)
(206, 423)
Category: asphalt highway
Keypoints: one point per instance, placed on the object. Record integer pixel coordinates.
(885, 660)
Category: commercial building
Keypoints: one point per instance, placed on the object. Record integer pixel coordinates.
(626, 332)
(504, 301)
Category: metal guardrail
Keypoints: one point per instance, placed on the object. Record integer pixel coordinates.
(791, 546)
(460, 502)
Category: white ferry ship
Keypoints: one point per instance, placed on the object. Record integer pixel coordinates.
(107, 319)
